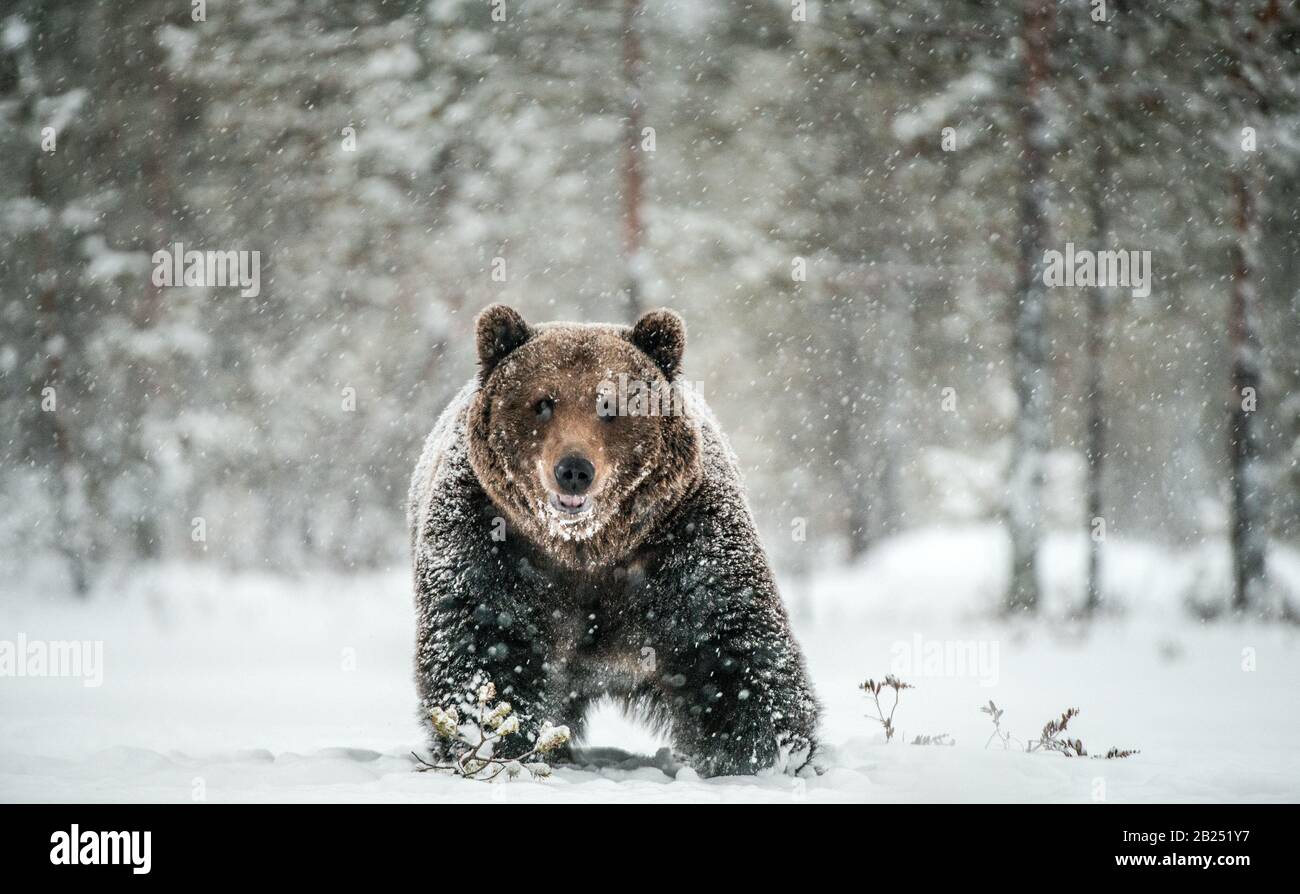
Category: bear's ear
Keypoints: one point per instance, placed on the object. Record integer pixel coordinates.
(662, 335)
(499, 330)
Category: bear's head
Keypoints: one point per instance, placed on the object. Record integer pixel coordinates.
(582, 434)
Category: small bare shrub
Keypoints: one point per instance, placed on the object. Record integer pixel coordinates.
(874, 689)
(1052, 738)
(941, 739)
(887, 720)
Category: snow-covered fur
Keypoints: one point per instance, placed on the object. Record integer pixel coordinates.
(659, 596)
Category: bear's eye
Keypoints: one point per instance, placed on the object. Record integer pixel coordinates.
(606, 414)
(545, 408)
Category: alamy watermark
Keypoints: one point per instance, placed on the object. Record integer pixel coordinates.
(920, 657)
(175, 267)
(76, 847)
(1084, 267)
(637, 397)
(22, 657)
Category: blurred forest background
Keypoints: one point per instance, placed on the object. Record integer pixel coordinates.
(863, 286)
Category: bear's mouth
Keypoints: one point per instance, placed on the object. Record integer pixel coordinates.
(571, 506)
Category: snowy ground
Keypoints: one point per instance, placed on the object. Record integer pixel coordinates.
(261, 689)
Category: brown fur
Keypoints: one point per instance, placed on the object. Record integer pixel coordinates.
(644, 463)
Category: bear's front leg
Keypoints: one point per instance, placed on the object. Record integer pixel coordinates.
(739, 696)
(739, 715)
(474, 626)
(730, 672)
(453, 673)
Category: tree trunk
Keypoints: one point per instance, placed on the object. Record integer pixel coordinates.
(67, 479)
(850, 436)
(893, 432)
(1249, 532)
(1095, 413)
(1029, 342)
(147, 382)
(633, 176)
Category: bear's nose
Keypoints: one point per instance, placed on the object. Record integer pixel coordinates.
(573, 473)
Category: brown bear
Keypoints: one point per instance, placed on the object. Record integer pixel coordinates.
(571, 542)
